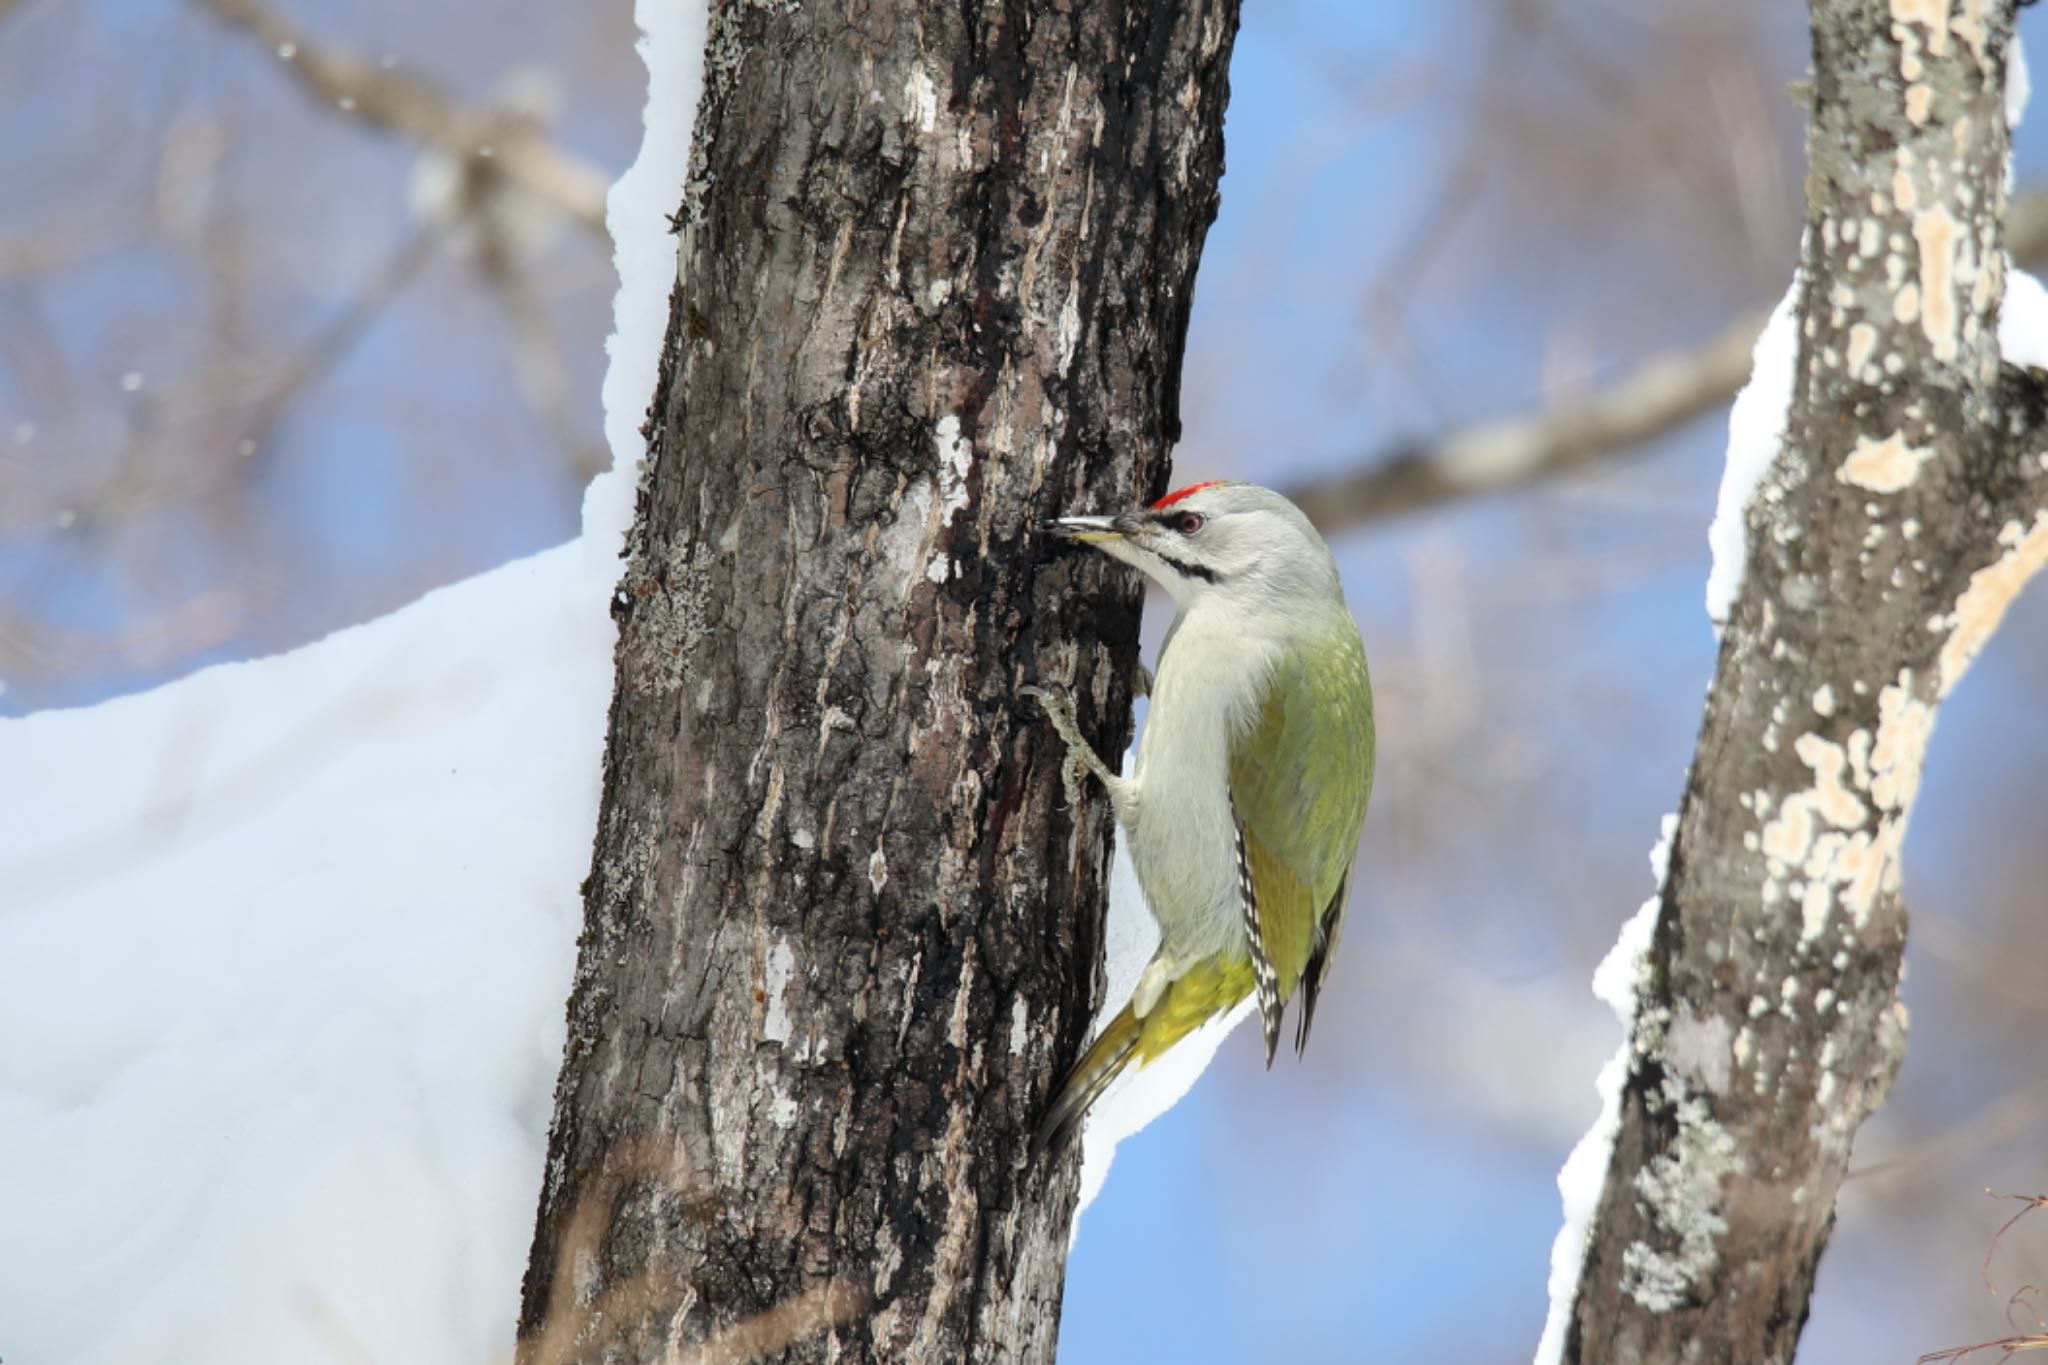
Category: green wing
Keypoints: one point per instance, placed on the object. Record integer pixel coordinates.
(1299, 784)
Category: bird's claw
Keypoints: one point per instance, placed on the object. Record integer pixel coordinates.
(1059, 709)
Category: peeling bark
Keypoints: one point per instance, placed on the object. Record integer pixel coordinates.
(936, 262)
(1906, 507)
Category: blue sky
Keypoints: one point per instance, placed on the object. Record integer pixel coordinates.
(1540, 659)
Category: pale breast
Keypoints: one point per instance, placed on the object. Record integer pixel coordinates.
(1182, 837)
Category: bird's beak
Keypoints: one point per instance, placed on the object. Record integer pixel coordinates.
(1091, 530)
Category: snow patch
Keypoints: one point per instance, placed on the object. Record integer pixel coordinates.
(2023, 320)
(2019, 84)
(1756, 429)
(285, 942)
(1615, 982)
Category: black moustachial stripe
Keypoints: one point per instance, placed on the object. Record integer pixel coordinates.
(1190, 568)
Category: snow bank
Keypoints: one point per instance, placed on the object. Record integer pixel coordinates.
(284, 945)
(282, 960)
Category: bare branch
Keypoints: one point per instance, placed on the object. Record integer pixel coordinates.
(1658, 397)
(500, 143)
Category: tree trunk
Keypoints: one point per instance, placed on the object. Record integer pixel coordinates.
(839, 936)
(1906, 507)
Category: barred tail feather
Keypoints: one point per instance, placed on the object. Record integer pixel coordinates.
(1328, 930)
(1265, 978)
(1104, 1060)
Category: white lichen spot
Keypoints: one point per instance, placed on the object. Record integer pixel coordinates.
(1020, 1025)
(1681, 1192)
(1824, 1093)
(1862, 342)
(1699, 1049)
(782, 1110)
(1067, 339)
(1824, 700)
(1906, 303)
(1904, 724)
(1802, 840)
(1937, 232)
(1969, 25)
(775, 977)
(956, 1023)
(1885, 466)
(1919, 98)
(1991, 590)
(1909, 53)
(921, 100)
(878, 870)
(1905, 195)
(1869, 238)
(1859, 758)
(956, 461)
(1929, 14)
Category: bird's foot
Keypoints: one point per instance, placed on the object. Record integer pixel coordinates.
(1081, 758)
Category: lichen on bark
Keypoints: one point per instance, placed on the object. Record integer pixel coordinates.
(1909, 457)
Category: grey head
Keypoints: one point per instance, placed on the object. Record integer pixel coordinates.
(1219, 543)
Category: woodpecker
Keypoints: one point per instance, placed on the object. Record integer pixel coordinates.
(1253, 772)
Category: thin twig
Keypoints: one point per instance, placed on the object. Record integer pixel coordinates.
(507, 143)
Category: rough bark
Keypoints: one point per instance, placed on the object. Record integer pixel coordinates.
(1907, 506)
(936, 261)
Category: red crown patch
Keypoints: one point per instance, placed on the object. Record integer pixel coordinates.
(1177, 494)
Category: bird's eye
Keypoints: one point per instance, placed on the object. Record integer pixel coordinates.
(1189, 523)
